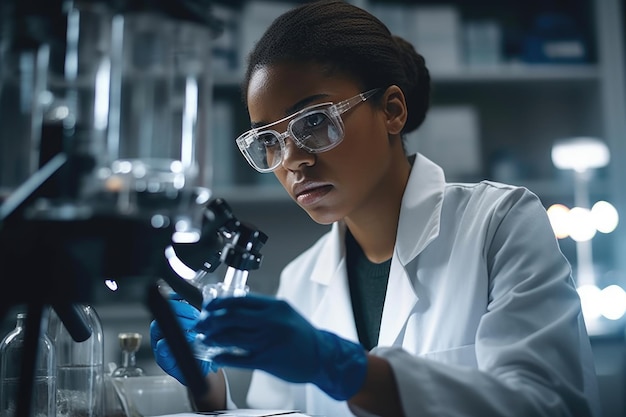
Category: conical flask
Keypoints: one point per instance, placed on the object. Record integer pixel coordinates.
(80, 367)
(44, 388)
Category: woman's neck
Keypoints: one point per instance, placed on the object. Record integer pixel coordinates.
(374, 225)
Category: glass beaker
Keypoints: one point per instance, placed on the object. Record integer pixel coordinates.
(80, 367)
(158, 143)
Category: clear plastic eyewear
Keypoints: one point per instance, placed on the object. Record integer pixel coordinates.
(315, 129)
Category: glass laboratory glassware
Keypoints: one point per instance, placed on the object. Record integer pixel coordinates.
(234, 285)
(138, 395)
(241, 254)
(159, 157)
(130, 344)
(80, 367)
(17, 85)
(70, 111)
(43, 403)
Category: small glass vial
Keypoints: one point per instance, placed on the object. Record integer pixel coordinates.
(234, 285)
(130, 344)
(43, 401)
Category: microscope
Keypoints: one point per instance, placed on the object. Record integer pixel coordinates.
(117, 96)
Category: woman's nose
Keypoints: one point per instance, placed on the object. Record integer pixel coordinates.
(294, 157)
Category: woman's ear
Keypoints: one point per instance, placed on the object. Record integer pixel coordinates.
(394, 106)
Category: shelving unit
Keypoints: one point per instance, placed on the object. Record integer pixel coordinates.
(522, 109)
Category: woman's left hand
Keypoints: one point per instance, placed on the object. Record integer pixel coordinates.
(281, 342)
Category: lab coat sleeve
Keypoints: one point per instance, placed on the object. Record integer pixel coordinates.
(532, 351)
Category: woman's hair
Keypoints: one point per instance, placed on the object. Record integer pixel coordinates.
(347, 40)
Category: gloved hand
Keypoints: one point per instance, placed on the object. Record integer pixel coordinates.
(187, 316)
(283, 343)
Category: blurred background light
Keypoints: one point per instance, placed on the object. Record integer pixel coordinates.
(559, 219)
(590, 301)
(605, 216)
(613, 302)
(580, 154)
(581, 225)
(609, 302)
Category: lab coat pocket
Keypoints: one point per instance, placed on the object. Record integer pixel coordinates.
(461, 355)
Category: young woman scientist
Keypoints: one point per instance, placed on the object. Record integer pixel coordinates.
(425, 298)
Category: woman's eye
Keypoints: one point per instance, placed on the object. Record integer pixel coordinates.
(314, 120)
(268, 139)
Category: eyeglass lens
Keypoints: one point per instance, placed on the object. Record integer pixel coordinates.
(313, 131)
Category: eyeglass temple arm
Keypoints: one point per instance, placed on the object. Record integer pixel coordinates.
(346, 105)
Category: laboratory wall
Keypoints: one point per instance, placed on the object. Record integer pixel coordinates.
(510, 80)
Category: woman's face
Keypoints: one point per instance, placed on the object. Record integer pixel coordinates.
(334, 184)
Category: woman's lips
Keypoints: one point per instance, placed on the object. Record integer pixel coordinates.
(312, 195)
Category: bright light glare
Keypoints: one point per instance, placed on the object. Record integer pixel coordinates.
(581, 224)
(613, 302)
(580, 154)
(558, 215)
(177, 265)
(605, 216)
(111, 284)
(591, 301)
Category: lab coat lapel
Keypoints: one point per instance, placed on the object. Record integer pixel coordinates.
(399, 303)
(418, 226)
(334, 311)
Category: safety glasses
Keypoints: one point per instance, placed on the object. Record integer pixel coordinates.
(315, 129)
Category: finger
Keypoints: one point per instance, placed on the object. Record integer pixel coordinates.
(250, 361)
(252, 301)
(155, 334)
(241, 338)
(184, 310)
(224, 320)
(164, 357)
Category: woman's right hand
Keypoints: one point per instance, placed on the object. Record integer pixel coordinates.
(187, 317)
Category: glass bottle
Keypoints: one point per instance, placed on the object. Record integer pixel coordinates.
(44, 388)
(130, 344)
(234, 285)
(80, 367)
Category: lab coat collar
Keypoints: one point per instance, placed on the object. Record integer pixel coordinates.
(418, 226)
(331, 256)
(420, 213)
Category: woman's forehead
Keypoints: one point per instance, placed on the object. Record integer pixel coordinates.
(287, 84)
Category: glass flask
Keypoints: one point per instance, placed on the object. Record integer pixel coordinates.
(130, 344)
(234, 285)
(43, 394)
(80, 367)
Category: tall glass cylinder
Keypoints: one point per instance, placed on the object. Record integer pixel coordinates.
(158, 140)
(71, 106)
(17, 87)
(80, 367)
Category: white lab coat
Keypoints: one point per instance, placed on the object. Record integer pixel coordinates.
(481, 316)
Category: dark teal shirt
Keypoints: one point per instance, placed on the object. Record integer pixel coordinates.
(368, 286)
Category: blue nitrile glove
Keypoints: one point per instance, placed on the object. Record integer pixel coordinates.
(283, 343)
(188, 317)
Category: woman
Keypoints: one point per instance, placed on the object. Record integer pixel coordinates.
(425, 298)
